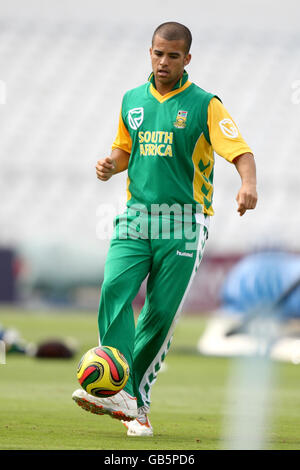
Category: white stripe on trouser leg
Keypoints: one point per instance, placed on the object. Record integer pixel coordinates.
(145, 382)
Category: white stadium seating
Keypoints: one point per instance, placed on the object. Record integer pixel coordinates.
(64, 83)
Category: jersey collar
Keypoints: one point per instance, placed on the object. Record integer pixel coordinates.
(181, 85)
(178, 85)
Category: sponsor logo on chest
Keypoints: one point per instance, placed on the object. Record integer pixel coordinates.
(135, 118)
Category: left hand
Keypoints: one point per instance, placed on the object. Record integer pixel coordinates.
(246, 198)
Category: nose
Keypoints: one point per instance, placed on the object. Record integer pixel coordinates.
(163, 60)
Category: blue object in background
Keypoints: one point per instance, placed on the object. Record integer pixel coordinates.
(260, 279)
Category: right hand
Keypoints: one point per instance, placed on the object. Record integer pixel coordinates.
(105, 169)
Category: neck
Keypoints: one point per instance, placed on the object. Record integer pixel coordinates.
(165, 88)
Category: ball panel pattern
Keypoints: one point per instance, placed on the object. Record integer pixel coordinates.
(116, 369)
(103, 371)
(91, 374)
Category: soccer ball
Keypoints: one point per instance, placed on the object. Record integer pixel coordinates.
(103, 371)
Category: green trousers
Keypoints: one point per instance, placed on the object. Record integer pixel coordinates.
(170, 259)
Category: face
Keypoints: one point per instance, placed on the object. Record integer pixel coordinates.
(168, 59)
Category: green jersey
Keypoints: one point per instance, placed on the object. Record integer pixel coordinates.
(171, 155)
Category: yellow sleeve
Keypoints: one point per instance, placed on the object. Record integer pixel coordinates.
(224, 135)
(123, 140)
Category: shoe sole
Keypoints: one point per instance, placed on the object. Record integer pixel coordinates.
(134, 434)
(100, 410)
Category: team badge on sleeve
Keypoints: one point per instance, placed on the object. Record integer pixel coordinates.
(135, 117)
(229, 128)
(180, 122)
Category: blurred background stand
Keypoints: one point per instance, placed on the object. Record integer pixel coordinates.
(64, 67)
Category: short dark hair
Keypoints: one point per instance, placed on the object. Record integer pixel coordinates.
(172, 31)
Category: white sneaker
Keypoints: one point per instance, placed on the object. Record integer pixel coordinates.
(141, 426)
(121, 406)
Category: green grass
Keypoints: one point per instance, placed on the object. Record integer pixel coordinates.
(36, 410)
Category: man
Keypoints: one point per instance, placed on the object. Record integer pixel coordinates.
(168, 131)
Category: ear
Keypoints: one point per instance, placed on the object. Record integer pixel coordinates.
(187, 59)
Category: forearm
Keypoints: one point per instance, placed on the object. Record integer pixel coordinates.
(247, 195)
(120, 160)
(245, 165)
